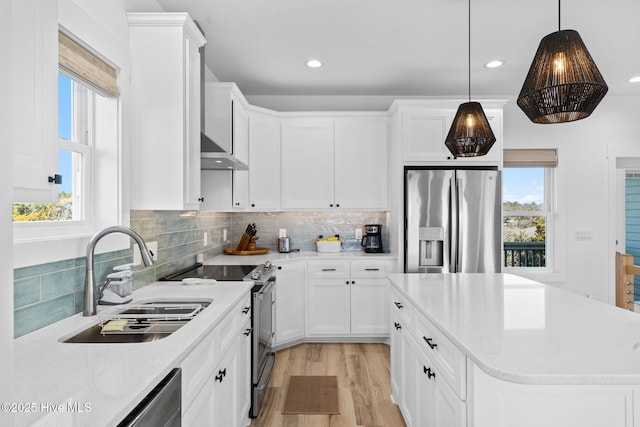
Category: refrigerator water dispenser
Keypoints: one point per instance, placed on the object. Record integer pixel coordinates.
(431, 246)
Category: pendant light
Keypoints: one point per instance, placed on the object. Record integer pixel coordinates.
(470, 134)
(563, 83)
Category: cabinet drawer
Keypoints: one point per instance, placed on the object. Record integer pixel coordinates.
(330, 269)
(449, 361)
(401, 306)
(243, 310)
(372, 269)
(225, 332)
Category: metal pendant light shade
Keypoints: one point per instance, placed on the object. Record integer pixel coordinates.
(563, 83)
(470, 134)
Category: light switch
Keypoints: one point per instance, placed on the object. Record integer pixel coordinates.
(584, 235)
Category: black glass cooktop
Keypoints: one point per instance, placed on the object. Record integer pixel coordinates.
(222, 273)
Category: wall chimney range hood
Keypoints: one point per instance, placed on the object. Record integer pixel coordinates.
(212, 156)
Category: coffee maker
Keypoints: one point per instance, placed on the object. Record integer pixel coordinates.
(372, 240)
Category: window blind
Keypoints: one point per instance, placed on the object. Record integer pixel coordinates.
(547, 158)
(85, 67)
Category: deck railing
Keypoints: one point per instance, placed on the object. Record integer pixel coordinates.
(524, 254)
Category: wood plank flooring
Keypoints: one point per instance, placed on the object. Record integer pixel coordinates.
(363, 386)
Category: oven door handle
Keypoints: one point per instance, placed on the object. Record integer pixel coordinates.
(266, 288)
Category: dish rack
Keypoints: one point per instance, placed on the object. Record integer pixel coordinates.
(139, 319)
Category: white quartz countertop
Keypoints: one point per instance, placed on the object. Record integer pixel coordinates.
(278, 257)
(523, 331)
(106, 381)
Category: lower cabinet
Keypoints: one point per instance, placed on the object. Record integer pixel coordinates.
(348, 298)
(289, 301)
(216, 376)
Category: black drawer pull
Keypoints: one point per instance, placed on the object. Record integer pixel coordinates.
(371, 269)
(428, 372)
(328, 269)
(429, 341)
(246, 310)
(247, 332)
(397, 325)
(221, 374)
(399, 305)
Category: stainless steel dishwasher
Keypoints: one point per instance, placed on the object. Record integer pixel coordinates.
(161, 407)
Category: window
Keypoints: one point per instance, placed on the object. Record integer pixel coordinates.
(75, 126)
(528, 209)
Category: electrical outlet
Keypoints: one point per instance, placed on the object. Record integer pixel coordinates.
(584, 235)
(205, 239)
(358, 233)
(153, 248)
(282, 233)
(224, 235)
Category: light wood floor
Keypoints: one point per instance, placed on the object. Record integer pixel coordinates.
(363, 386)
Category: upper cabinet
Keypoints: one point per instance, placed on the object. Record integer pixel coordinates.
(337, 162)
(165, 105)
(424, 126)
(264, 160)
(34, 77)
(225, 119)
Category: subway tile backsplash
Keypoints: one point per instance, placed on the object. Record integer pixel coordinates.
(46, 293)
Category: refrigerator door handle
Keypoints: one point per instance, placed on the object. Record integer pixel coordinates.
(453, 223)
(458, 263)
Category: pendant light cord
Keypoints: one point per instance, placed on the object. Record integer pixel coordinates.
(469, 49)
(558, 15)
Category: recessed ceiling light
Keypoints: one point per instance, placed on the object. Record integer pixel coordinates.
(494, 64)
(635, 79)
(314, 63)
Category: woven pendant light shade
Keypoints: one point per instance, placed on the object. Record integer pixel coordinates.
(563, 84)
(470, 134)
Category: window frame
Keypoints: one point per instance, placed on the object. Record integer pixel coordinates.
(551, 270)
(108, 198)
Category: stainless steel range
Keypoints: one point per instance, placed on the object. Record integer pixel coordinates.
(264, 278)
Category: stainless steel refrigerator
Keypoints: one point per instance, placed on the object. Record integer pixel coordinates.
(453, 220)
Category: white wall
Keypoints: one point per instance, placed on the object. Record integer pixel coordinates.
(6, 229)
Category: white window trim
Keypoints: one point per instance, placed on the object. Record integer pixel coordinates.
(553, 271)
(110, 179)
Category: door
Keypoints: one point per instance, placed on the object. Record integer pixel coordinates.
(428, 197)
(479, 227)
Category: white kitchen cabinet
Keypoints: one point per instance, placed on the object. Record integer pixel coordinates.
(264, 160)
(348, 298)
(226, 118)
(165, 111)
(289, 302)
(424, 126)
(437, 404)
(395, 357)
(307, 163)
(331, 162)
(34, 80)
(215, 375)
(361, 162)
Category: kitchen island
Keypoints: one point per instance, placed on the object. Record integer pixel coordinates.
(501, 350)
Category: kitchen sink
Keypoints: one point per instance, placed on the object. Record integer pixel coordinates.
(143, 322)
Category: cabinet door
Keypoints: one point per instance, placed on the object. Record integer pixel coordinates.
(192, 195)
(243, 377)
(423, 135)
(264, 162)
(328, 307)
(240, 184)
(369, 306)
(34, 66)
(289, 305)
(409, 379)
(225, 386)
(240, 135)
(307, 163)
(361, 163)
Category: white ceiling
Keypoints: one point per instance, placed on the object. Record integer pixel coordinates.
(404, 47)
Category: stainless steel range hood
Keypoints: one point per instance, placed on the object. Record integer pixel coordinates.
(212, 156)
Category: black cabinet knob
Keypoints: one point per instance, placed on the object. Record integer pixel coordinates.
(397, 325)
(253, 205)
(331, 205)
(279, 267)
(337, 205)
(399, 305)
(56, 179)
(201, 199)
(347, 282)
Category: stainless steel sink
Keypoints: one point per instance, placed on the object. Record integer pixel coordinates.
(146, 322)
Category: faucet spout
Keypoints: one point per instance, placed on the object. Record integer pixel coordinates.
(90, 294)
